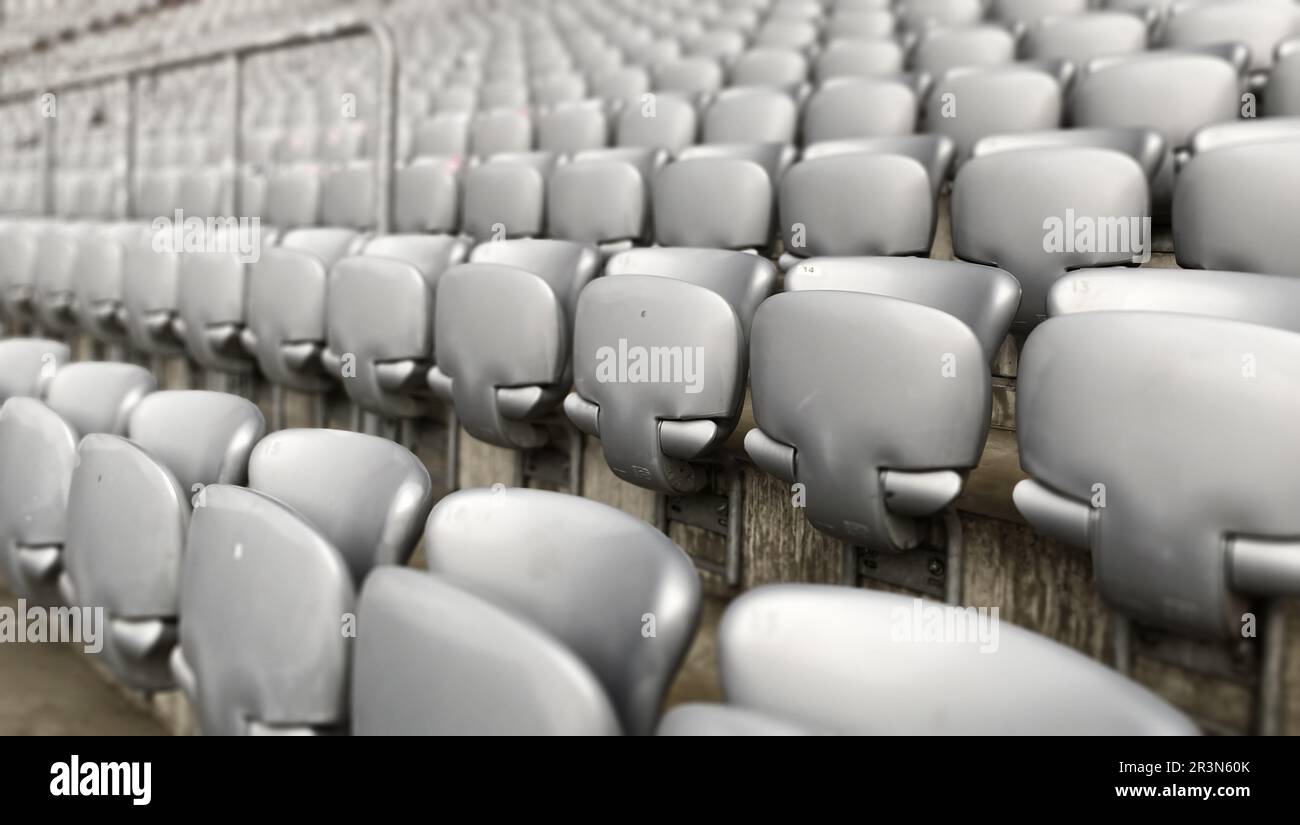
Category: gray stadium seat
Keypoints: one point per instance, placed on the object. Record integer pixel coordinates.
(1282, 96)
(1175, 93)
(436, 659)
(859, 58)
(659, 429)
(39, 442)
(787, 34)
(1259, 26)
(934, 152)
(1253, 130)
(776, 68)
(857, 204)
(265, 597)
(802, 658)
(859, 107)
(970, 104)
(445, 133)
(559, 87)
(624, 85)
(293, 198)
(967, 47)
(380, 313)
(28, 364)
(505, 197)
(1025, 210)
(427, 195)
(572, 127)
(53, 295)
(500, 130)
(917, 14)
(211, 311)
(865, 455)
(722, 202)
(129, 505)
(1019, 13)
(343, 142)
(1234, 209)
(348, 196)
(98, 273)
(603, 196)
(775, 158)
(502, 94)
(574, 549)
(1272, 300)
(663, 121)
(286, 309)
(790, 11)
(454, 99)
(151, 298)
(1145, 146)
(502, 336)
(367, 495)
(753, 115)
(19, 253)
(1179, 545)
(1082, 37)
(848, 24)
(689, 76)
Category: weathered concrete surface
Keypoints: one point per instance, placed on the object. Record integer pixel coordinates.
(47, 690)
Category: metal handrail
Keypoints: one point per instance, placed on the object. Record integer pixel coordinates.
(234, 53)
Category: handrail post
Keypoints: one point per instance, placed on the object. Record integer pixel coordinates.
(49, 134)
(235, 139)
(130, 127)
(386, 145)
(235, 54)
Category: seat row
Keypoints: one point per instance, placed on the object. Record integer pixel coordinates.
(657, 352)
(1009, 207)
(263, 575)
(1175, 94)
(1173, 91)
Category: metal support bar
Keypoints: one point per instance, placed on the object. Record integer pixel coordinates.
(129, 144)
(235, 139)
(735, 524)
(576, 443)
(386, 147)
(453, 450)
(716, 512)
(559, 462)
(1271, 699)
(49, 157)
(934, 570)
(333, 28)
(956, 556)
(320, 410)
(277, 408)
(1122, 640)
